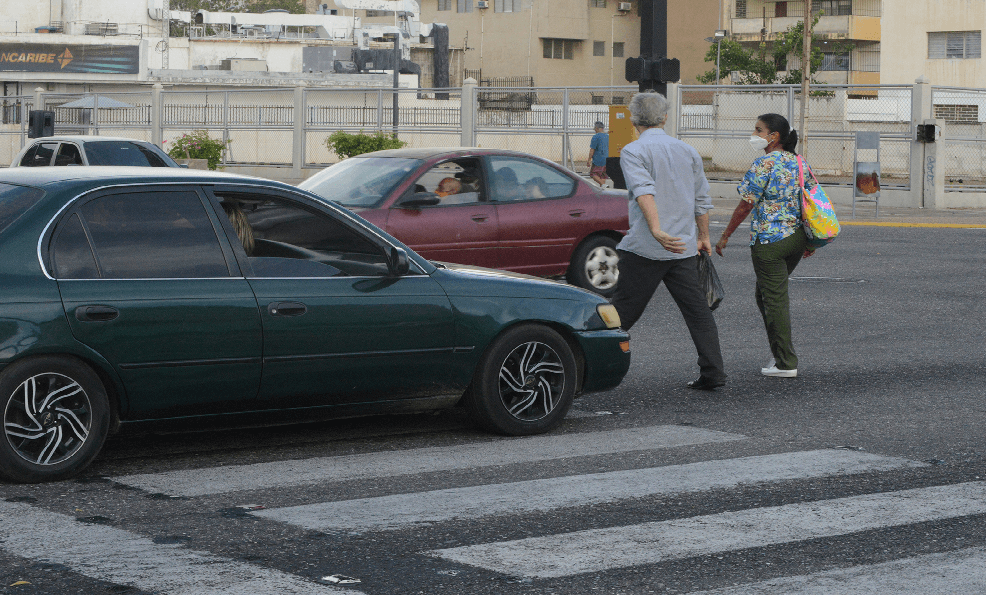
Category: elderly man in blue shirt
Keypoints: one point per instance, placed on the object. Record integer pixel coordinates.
(669, 225)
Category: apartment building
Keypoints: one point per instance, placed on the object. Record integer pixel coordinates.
(855, 22)
(567, 42)
(939, 39)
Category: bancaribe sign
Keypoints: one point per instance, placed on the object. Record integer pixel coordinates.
(43, 57)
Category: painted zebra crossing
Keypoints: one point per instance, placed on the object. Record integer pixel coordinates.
(127, 557)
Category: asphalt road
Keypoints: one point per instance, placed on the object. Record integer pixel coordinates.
(866, 474)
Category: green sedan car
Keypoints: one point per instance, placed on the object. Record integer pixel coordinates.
(133, 296)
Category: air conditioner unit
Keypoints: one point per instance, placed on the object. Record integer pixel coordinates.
(482, 4)
(624, 6)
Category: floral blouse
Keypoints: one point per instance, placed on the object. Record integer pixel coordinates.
(771, 186)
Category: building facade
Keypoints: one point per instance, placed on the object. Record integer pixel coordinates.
(852, 22)
(938, 39)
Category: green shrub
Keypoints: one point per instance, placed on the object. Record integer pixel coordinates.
(346, 145)
(198, 145)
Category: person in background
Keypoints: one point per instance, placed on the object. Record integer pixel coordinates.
(448, 186)
(598, 152)
(772, 192)
(669, 225)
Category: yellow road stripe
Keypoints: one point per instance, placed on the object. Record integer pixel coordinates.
(899, 224)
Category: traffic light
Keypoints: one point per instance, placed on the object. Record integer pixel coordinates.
(662, 70)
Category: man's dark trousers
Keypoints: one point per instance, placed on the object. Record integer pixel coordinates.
(639, 278)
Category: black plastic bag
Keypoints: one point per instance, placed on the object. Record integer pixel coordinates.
(710, 280)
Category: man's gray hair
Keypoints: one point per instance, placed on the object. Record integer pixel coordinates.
(599, 125)
(648, 109)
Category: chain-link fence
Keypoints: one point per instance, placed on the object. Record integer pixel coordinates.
(718, 121)
(962, 150)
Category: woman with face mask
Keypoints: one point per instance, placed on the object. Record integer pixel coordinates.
(770, 190)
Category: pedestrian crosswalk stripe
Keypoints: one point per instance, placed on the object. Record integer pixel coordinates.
(649, 543)
(217, 480)
(963, 571)
(402, 510)
(122, 557)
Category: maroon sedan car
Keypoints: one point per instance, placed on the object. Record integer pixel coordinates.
(497, 209)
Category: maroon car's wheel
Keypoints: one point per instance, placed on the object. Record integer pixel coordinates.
(525, 382)
(55, 418)
(595, 266)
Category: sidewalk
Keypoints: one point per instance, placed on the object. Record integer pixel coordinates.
(889, 216)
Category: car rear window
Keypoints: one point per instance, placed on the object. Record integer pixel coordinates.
(14, 201)
(107, 152)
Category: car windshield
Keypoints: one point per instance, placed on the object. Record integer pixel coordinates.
(360, 181)
(14, 201)
(116, 152)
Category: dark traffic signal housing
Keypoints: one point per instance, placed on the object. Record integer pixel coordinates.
(650, 72)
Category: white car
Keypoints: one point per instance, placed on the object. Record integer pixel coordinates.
(91, 150)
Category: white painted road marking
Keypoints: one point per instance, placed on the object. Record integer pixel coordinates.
(650, 543)
(946, 573)
(403, 510)
(279, 474)
(126, 558)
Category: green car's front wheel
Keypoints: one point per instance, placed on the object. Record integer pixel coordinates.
(55, 418)
(525, 383)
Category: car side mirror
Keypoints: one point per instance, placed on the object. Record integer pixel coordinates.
(419, 199)
(397, 261)
(185, 165)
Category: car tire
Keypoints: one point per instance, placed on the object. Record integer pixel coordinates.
(594, 266)
(525, 382)
(56, 416)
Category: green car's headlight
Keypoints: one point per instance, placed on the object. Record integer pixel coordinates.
(609, 315)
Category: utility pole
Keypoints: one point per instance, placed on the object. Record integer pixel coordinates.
(805, 78)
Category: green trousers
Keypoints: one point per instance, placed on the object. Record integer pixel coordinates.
(773, 264)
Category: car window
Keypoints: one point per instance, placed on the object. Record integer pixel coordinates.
(360, 181)
(283, 238)
(455, 182)
(40, 155)
(71, 253)
(165, 234)
(123, 153)
(516, 179)
(15, 201)
(68, 154)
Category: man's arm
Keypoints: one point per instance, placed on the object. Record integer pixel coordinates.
(702, 223)
(670, 243)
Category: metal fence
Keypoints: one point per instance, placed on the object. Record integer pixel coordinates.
(717, 121)
(289, 126)
(962, 115)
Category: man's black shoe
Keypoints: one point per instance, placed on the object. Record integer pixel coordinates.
(705, 383)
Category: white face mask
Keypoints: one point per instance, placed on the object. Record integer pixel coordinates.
(758, 142)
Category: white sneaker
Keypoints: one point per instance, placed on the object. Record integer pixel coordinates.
(770, 364)
(778, 373)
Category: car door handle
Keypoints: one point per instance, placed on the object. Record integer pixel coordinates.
(96, 313)
(480, 218)
(576, 213)
(286, 308)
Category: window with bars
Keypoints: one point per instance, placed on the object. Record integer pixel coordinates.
(597, 3)
(506, 5)
(832, 61)
(954, 45)
(444, 4)
(618, 49)
(463, 5)
(741, 9)
(598, 48)
(832, 8)
(559, 49)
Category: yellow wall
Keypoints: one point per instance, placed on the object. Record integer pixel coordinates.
(865, 28)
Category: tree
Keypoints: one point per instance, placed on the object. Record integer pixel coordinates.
(292, 6)
(762, 65)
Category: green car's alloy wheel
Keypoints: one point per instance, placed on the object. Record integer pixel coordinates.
(525, 383)
(55, 418)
